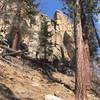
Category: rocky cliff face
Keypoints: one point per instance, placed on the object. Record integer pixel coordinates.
(60, 27)
(62, 31)
(63, 35)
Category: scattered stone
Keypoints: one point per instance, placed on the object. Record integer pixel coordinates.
(52, 97)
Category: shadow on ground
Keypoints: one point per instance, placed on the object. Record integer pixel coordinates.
(47, 71)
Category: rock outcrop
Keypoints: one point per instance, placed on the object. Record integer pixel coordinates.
(60, 26)
(62, 38)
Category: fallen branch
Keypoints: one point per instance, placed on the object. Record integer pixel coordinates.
(15, 53)
(9, 49)
(19, 53)
(12, 51)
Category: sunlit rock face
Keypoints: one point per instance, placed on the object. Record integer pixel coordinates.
(31, 38)
(62, 30)
(60, 26)
(6, 17)
(63, 36)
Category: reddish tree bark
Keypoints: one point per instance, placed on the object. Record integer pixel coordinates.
(16, 26)
(82, 52)
(15, 41)
(80, 85)
(85, 29)
(87, 66)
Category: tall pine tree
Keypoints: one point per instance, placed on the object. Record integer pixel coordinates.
(45, 38)
(82, 11)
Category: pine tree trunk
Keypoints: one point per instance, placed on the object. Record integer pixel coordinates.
(87, 65)
(80, 86)
(17, 25)
(85, 31)
(15, 41)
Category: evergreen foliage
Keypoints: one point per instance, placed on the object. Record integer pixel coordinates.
(83, 11)
(45, 38)
(89, 9)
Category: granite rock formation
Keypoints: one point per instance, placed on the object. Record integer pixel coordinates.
(62, 38)
(60, 26)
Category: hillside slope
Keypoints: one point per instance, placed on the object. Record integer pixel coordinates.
(25, 83)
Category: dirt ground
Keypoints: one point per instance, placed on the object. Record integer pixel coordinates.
(26, 83)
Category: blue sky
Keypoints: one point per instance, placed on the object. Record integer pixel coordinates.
(98, 25)
(49, 7)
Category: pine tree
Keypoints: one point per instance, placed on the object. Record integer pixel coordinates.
(45, 38)
(83, 11)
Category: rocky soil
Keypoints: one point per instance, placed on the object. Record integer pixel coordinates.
(22, 82)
